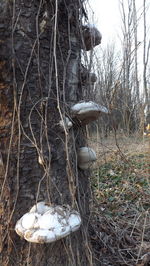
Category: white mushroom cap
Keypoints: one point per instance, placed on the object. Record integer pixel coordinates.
(49, 219)
(28, 220)
(39, 236)
(45, 224)
(85, 156)
(87, 111)
(41, 207)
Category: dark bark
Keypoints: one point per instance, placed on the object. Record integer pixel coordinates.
(38, 83)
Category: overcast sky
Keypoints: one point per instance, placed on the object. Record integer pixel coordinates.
(107, 17)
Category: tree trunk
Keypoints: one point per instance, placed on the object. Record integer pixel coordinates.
(136, 79)
(146, 49)
(39, 62)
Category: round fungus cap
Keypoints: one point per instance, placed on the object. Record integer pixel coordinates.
(85, 156)
(91, 37)
(87, 111)
(45, 224)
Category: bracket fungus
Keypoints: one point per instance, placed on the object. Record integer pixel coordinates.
(66, 122)
(91, 37)
(46, 224)
(85, 156)
(87, 111)
(87, 77)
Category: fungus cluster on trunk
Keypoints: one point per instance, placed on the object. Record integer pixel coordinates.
(46, 223)
(86, 112)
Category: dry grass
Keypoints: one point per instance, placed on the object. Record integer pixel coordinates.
(120, 224)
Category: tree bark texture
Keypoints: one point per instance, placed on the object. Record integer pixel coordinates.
(39, 65)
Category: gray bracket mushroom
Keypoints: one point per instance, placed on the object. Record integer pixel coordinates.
(87, 111)
(91, 37)
(86, 156)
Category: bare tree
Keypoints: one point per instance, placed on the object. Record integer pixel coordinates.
(39, 61)
(130, 80)
(136, 44)
(146, 48)
(108, 72)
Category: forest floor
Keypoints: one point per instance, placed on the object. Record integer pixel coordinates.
(120, 223)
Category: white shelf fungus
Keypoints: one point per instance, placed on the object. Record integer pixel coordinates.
(87, 111)
(66, 122)
(85, 156)
(45, 224)
(91, 37)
